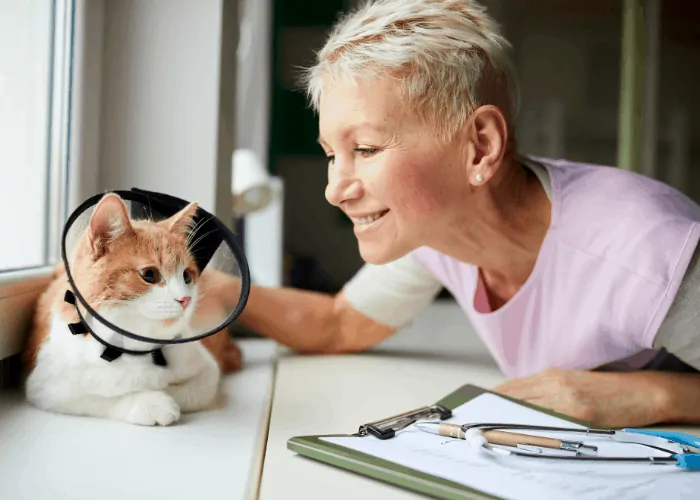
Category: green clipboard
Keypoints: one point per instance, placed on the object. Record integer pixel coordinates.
(383, 470)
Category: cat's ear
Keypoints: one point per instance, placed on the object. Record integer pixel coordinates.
(183, 221)
(109, 221)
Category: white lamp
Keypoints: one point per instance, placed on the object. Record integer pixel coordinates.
(251, 186)
(258, 198)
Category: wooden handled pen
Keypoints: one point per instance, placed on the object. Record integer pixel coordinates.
(507, 438)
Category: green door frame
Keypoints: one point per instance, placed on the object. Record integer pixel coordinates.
(639, 73)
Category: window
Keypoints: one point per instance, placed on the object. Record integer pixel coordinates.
(568, 60)
(675, 139)
(34, 117)
(36, 40)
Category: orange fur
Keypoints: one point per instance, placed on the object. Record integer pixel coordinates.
(103, 275)
(51, 298)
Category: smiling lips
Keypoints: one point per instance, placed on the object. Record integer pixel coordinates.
(368, 219)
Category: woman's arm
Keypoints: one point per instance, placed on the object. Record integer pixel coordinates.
(310, 321)
(633, 399)
(679, 396)
(373, 305)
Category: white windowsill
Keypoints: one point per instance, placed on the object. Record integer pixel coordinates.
(215, 454)
(22, 279)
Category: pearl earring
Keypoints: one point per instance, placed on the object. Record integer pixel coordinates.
(479, 178)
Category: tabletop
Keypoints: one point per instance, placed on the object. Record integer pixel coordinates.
(336, 394)
(240, 451)
(217, 454)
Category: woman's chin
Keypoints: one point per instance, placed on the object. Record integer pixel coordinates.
(378, 254)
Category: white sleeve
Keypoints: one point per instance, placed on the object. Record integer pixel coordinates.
(392, 294)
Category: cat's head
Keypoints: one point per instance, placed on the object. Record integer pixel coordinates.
(138, 271)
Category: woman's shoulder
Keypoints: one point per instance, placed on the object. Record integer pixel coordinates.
(591, 195)
(622, 216)
(589, 186)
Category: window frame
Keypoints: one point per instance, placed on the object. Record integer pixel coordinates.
(60, 126)
(73, 118)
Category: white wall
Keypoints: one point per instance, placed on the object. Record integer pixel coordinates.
(25, 37)
(167, 99)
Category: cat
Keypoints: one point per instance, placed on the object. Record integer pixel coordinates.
(140, 274)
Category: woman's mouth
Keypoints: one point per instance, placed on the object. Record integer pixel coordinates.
(368, 219)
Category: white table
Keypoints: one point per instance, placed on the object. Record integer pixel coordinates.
(336, 394)
(231, 453)
(325, 394)
(44, 456)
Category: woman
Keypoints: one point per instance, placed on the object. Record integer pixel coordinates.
(562, 268)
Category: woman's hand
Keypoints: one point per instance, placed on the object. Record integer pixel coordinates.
(608, 399)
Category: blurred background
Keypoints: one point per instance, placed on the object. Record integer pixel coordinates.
(171, 95)
(198, 99)
(569, 56)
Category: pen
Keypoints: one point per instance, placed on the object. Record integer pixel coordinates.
(506, 438)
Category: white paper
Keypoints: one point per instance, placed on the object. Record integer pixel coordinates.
(519, 478)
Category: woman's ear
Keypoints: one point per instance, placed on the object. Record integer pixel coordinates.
(487, 140)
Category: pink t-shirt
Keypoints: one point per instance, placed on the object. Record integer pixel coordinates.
(607, 272)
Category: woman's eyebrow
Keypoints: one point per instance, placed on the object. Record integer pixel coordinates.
(352, 128)
(364, 125)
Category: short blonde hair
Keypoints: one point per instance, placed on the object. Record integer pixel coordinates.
(449, 57)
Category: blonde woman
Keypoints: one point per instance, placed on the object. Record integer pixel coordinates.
(562, 268)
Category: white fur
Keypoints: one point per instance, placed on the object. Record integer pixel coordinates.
(144, 315)
(70, 377)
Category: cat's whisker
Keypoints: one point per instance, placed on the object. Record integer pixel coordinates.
(202, 237)
(199, 237)
(195, 229)
(196, 253)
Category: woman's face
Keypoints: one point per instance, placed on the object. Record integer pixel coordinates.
(387, 170)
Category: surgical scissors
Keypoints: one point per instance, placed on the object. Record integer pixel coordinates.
(677, 444)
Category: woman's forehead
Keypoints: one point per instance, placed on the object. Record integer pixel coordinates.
(363, 106)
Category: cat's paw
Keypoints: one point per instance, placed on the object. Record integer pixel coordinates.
(152, 408)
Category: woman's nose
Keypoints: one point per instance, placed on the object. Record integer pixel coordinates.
(342, 186)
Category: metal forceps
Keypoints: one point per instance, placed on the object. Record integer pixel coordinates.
(677, 444)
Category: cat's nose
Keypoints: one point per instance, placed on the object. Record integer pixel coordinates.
(184, 301)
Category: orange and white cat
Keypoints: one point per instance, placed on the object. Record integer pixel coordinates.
(139, 275)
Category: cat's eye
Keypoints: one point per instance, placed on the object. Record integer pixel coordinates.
(150, 275)
(187, 276)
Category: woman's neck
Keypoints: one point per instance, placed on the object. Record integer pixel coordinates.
(502, 229)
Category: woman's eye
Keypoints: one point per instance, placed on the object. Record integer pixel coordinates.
(331, 159)
(366, 151)
(150, 275)
(187, 276)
